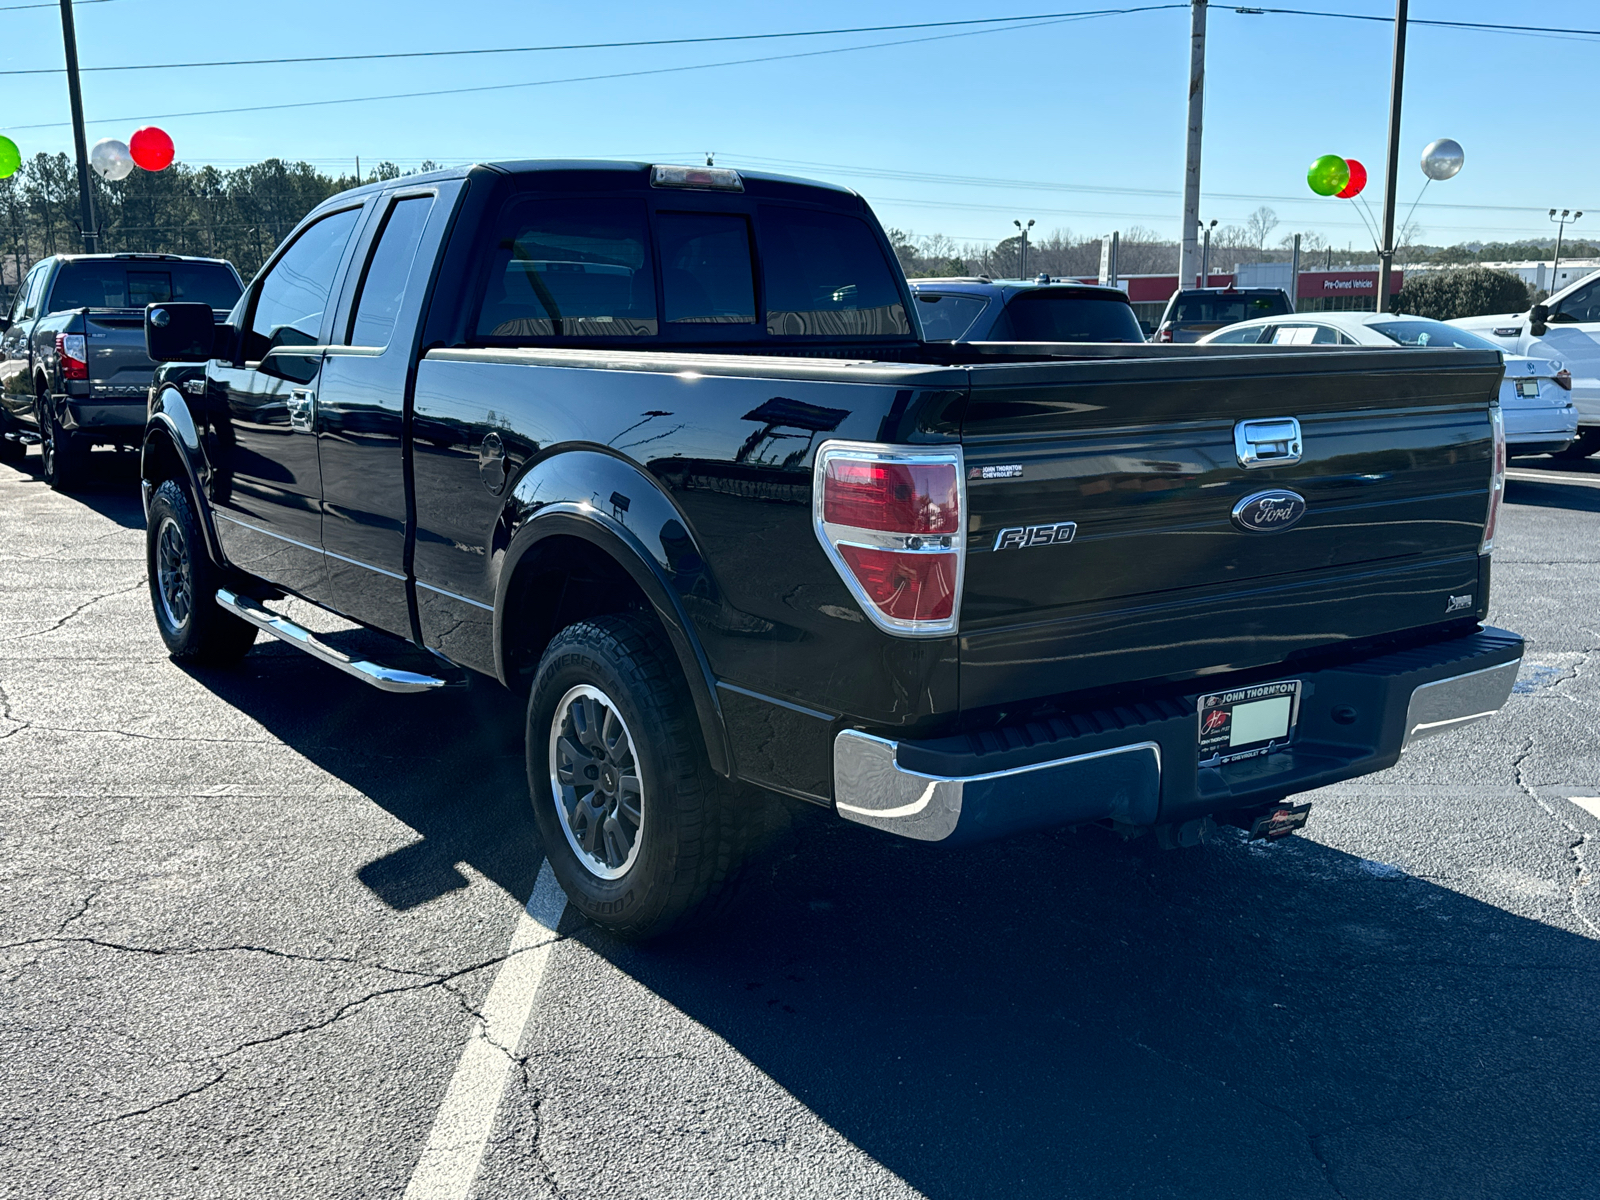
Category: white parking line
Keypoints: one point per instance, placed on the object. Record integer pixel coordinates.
(1589, 804)
(461, 1129)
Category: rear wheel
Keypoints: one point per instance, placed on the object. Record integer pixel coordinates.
(1588, 442)
(64, 454)
(639, 830)
(183, 586)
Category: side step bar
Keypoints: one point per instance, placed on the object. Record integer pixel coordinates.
(386, 679)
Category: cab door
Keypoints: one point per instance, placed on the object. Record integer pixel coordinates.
(16, 361)
(1572, 338)
(361, 408)
(261, 411)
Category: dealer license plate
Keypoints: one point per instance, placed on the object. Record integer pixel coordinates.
(1248, 721)
(1528, 389)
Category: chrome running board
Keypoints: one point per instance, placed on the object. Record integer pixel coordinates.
(387, 679)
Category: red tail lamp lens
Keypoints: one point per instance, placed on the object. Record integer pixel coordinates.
(1563, 379)
(73, 355)
(906, 587)
(898, 497)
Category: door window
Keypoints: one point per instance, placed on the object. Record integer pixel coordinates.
(1581, 305)
(384, 288)
(706, 273)
(294, 295)
(35, 287)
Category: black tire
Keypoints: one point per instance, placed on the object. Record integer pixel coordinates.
(64, 456)
(183, 586)
(1588, 442)
(686, 844)
(12, 449)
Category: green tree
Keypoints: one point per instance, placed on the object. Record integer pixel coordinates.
(1462, 292)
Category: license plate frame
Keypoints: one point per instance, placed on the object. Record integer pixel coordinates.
(1218, 719)
(1528, 389)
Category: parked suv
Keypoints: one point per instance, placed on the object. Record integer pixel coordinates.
(72, 359)
(1194, 312)
(1023, 310)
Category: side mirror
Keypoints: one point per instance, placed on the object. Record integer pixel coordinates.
(179, 332)
(1538, 318)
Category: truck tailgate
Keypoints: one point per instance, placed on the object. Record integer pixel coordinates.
(119, 368)
(1160, 581)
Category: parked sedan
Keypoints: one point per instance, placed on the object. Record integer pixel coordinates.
(1022, 310)
(1535, 395)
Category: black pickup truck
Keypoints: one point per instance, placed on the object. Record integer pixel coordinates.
(661, 449)
(73, 368)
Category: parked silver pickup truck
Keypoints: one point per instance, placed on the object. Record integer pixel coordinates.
(72, 361)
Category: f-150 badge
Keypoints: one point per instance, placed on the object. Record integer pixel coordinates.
(1036, 535)
(1269, 511)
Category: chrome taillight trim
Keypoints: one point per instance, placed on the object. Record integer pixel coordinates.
(833, 535)
(1497, 479)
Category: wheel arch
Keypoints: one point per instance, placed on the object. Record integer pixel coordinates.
(590, 509)
(171, 450)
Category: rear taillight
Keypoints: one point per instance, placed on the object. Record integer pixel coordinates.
(1164, 334)
(1563, 379)
(73, 355)
(891, 520)
(1497, 482)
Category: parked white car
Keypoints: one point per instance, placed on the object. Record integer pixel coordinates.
(1535, 396)
(1568, 334)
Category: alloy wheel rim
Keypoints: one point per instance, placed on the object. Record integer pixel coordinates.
(172, 574)
(596, 783)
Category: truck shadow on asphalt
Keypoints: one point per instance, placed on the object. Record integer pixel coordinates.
(1056, 1014)
(1069, 1015)
(1554, 493)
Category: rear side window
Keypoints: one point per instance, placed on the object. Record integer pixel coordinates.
(1248, 335)
(827, 276)
(570, 268)
(1048, 316)
(707, 277)
(383, 290)
(1304, 335)
(112, 284)
(945, 318)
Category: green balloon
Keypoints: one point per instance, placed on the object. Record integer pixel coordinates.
(1329, 175)
(10, 158)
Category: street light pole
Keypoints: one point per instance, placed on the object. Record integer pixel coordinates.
(1188, 258)
(1383, 300)
(1205, 257)
(1561, 225)
(1022, 259)
(69, 36)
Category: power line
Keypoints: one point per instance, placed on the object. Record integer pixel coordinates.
(56, 6)
(1476, 26)
(501, 87)
(688, 41)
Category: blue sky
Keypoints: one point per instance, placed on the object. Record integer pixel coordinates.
(1084, 117)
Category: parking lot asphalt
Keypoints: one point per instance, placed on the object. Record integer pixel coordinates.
(252, 923)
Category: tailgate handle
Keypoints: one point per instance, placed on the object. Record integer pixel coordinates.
(1270, 443)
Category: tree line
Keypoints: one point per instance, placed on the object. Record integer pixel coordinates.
(240, 215)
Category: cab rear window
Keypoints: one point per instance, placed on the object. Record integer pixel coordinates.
(112, 284)
(827, 277)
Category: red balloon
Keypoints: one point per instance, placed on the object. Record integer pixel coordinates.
(151, 148)
(1358, 180)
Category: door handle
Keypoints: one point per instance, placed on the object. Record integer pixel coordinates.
(302, 409)
(1274, 442)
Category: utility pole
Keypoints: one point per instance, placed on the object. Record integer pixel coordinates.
(1189, 262)
(1294, 277)
(1383, 301)
(69, 36)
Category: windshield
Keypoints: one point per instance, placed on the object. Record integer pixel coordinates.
(1063, 316)
(1200, 308)
(113, 284)
(1431, 333)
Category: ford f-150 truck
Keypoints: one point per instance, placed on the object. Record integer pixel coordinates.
(73, 368)
(661, 449)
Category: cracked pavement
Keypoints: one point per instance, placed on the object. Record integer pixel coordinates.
(249, 918)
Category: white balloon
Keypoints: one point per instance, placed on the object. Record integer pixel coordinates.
(1442, 158)
(111, 160)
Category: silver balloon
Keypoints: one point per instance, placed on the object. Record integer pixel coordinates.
(1442, 159)
(111, 160)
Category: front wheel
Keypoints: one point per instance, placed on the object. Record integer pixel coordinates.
(183, 586)
(639, 830)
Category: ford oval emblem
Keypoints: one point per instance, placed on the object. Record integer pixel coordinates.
(1269, 511)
